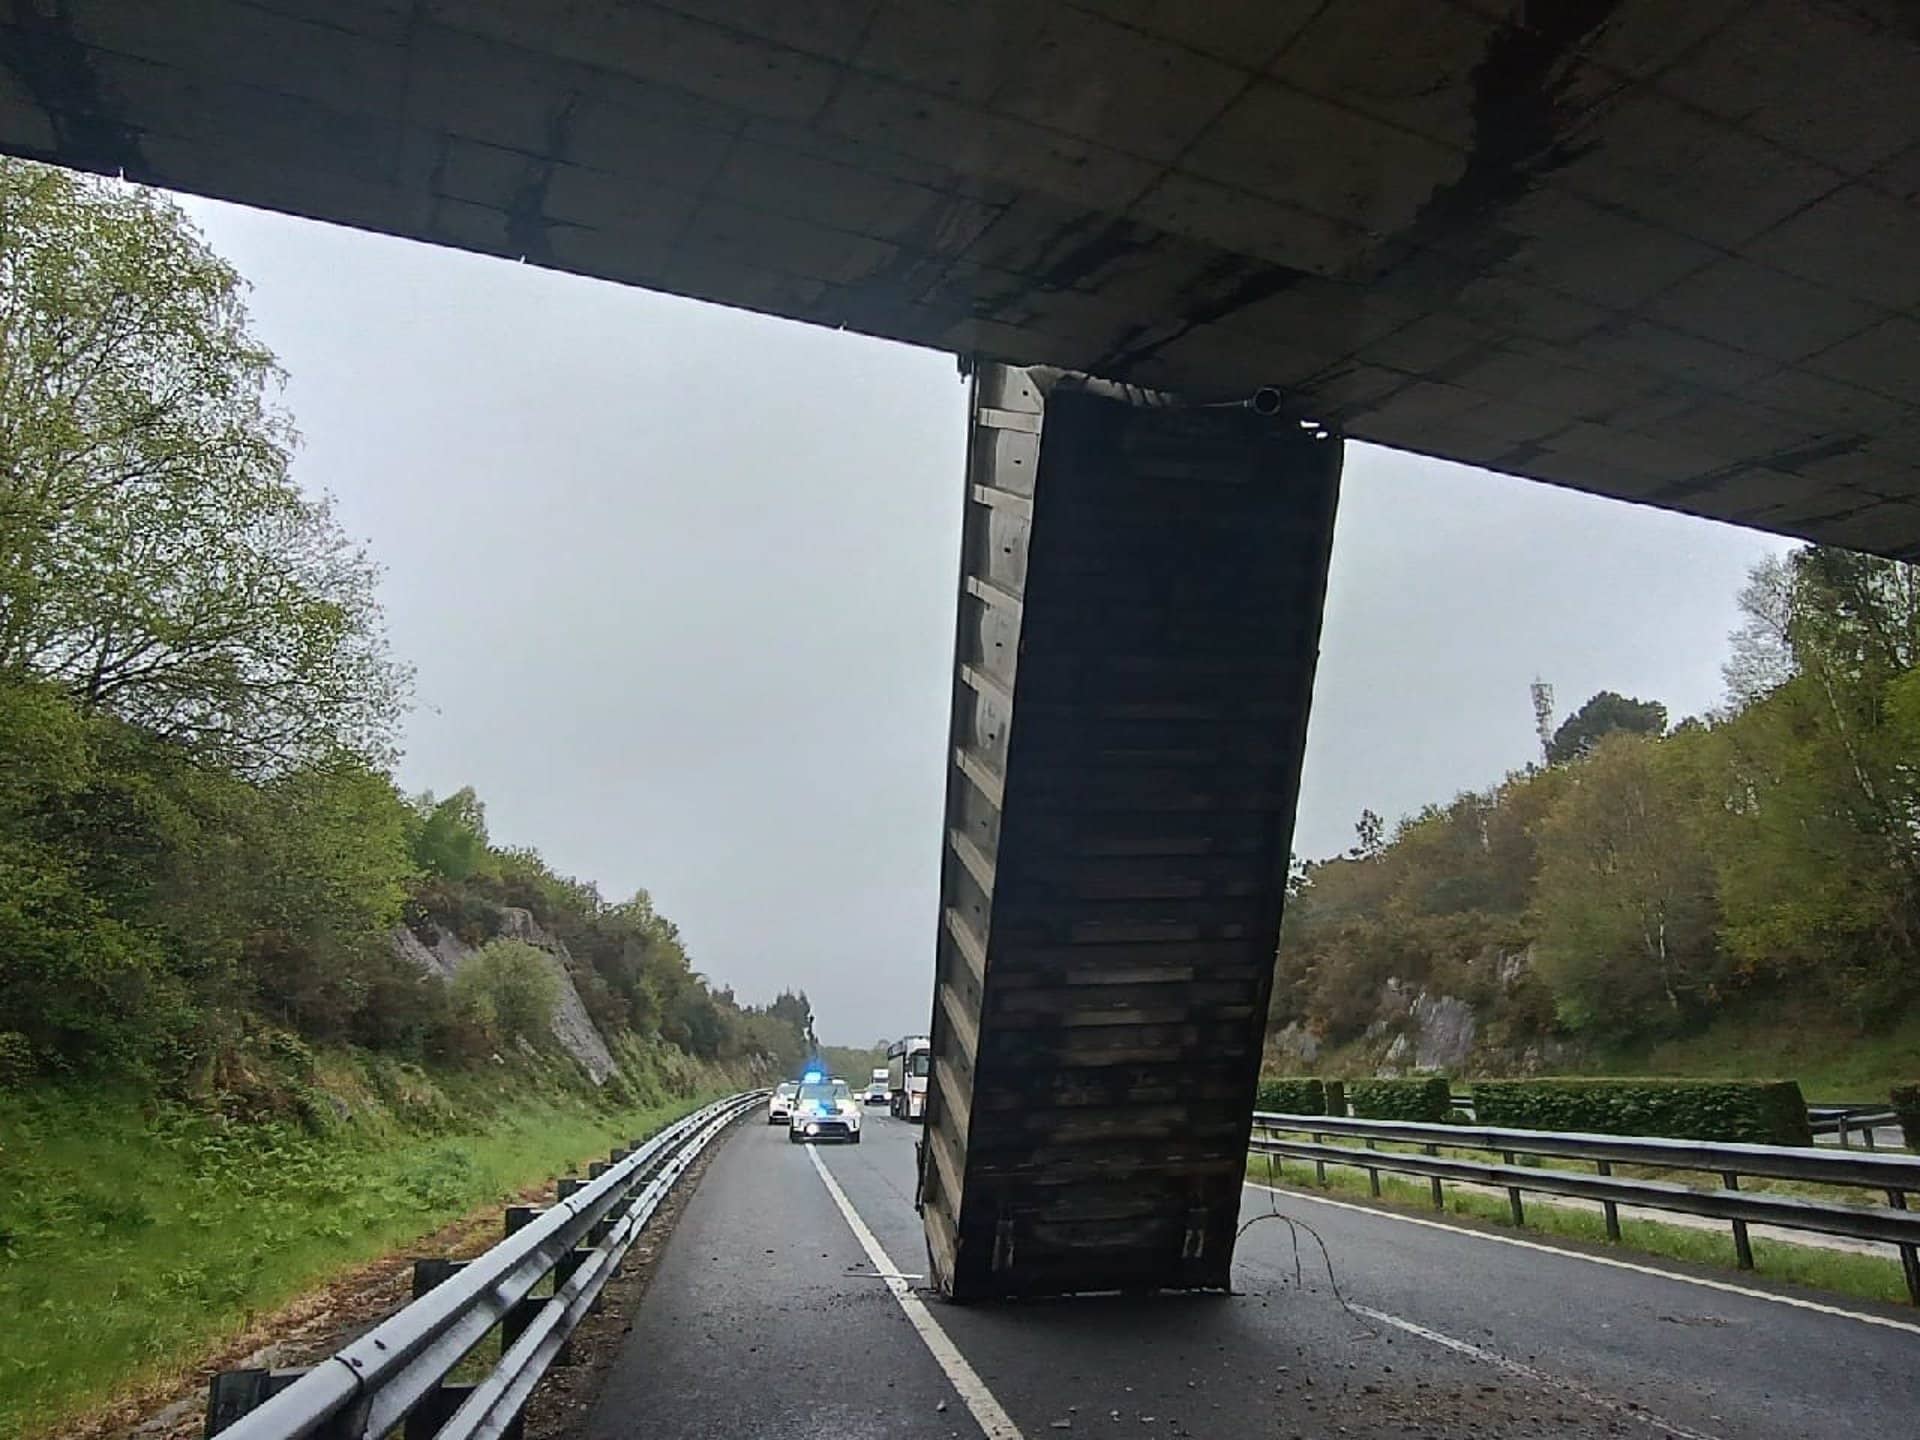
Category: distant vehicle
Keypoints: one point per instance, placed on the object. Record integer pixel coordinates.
(780, 1103)
(908, 1063)
(877, 1092)
(824, 1110)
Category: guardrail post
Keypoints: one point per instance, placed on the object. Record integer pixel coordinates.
(423, 1422)
(1842, 1131)
(1373, 1175)
(597, 1169)
(1319, 1166)
(567, 1186)
(518, 1217)
(1433, 1181)
(1605, 1167)
(433, 1270)
(1513, 1195)
(1909, 1254)
(1742, 1246)
(233, 1393)
(514, 1323)
(563, 1269)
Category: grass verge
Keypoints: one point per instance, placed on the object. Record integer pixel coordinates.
(1865, 1276)
(135, 1236)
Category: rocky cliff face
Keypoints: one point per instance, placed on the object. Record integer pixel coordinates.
(572, 1027)
(1420, 1030)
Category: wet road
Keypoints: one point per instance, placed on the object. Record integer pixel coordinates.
(769, 1317)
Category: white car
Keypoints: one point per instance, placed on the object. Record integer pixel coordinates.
(824, 1110)
(780, 1103)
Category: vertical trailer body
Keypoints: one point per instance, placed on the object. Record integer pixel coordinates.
(1140, 599)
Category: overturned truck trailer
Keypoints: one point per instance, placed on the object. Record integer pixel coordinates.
(1140, 597)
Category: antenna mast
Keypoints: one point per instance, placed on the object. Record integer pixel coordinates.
(1543, 716)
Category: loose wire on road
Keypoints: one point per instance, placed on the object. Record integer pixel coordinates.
(1294, 1226)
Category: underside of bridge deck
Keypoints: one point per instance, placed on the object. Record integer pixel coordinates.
(1664, 252)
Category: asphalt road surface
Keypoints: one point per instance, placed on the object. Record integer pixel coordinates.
(769, 1315)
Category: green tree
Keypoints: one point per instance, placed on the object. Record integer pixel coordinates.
(155, 557)
(1604, 714)
(451, 841)
(509, 988)
(1625, 899)
(1369, 836)
(1816, 841)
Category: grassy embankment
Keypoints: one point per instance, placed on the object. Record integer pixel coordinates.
(137, 1235)
(1831, 1060)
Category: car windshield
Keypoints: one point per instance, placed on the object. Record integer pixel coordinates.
(920, 1062)
(784, 1090)
(826, 1092)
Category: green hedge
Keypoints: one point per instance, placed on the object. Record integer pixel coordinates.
(1428, 1098)
(1906, 1104)
(1292, 1095)
(1765, 1112)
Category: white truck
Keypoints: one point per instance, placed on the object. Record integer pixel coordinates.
(908, 1062)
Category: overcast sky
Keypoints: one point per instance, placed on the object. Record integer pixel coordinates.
(677, 583)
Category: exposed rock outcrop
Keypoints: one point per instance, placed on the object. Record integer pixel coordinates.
(573, 1028)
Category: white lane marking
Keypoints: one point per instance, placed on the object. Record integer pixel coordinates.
(1885, 1321)
(993, 1421)
(1528, 1372)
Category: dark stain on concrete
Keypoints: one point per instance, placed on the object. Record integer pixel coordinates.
(1114, 240)
(1791, 460)
(1520, 118)
(1226, 286)
(40, 49)
(527, 221)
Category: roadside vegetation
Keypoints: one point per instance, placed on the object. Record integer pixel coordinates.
(852, 1064)
(225, 1067)
(143, 1232)
(1662, 899)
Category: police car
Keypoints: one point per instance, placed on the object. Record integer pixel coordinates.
(823, 1109)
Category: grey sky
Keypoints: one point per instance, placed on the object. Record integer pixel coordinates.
(677, 582)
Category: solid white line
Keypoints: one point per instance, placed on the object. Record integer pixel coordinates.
(1527, 1372)
(993, 1421)
(1885, 1321)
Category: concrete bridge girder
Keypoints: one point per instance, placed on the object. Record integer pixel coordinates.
(1661, 253)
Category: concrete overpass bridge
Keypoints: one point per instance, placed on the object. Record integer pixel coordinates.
(1669, 254)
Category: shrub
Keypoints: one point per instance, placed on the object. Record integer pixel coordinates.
(1292, 1095)
(1426, 1098)
(16, 1059)
(1906, 1105)
(508, 987)
(1768, 1112)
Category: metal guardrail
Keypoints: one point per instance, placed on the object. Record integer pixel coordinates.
(397, 1372)
(1843, 1121)
(1891, 1175)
